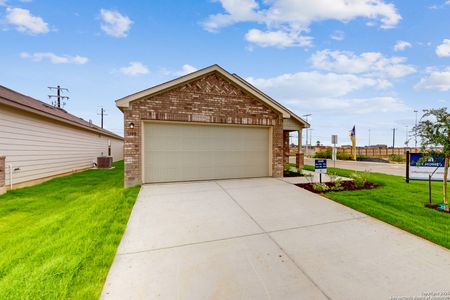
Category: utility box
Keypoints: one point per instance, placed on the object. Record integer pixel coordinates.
(2, 175)
(104, 162)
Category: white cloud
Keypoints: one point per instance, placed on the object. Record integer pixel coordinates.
(295, 17)
(114, 23)
(277, 38)
(367, 62)
(314, 84)
(443, 50)
(55, 59)
(402, 45)
(24, 21)
(338, 35)
(185, 69)
(435, 80)
(134, 68)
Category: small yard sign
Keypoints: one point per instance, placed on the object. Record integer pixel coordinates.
(320, 165)
(421, 170)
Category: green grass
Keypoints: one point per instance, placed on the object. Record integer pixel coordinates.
(58, 239)
(400, 204)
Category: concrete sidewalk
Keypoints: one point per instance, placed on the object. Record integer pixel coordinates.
(265, 239)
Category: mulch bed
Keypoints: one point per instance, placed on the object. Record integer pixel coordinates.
(435, 207)
(292, 174)
(346, 184)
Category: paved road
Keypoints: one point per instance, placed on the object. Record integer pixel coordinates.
(392, 169)
(265, 239)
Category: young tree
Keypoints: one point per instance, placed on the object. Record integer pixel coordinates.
(434, 131)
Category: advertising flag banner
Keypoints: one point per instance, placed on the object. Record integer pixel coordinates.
(353, 137)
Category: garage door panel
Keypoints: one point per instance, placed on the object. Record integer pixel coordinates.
(181, 152)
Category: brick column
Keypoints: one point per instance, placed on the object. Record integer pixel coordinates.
(300, 160)
(2, 175)
(285, 147)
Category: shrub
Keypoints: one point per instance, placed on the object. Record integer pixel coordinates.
(337, 185)
(333, 176)
(327, 154)
(343, 156)
(320, 187)
(396, 158)
(287, 167)
(360, 179)
(323, 154)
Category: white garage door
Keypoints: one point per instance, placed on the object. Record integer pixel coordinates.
(182, 152)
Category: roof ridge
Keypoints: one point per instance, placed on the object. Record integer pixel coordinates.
(49, 110)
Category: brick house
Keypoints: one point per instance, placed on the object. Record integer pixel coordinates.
(209, 124)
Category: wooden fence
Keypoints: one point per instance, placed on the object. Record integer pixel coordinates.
(378, 152)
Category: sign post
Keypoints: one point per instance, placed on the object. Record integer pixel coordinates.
(320, 167)
(334, 141)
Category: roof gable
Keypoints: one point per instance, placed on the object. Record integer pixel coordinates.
(237, 81)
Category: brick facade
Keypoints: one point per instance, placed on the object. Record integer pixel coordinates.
(209, 99)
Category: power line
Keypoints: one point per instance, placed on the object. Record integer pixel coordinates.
(59, 103)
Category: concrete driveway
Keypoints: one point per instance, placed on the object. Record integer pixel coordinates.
(265, 239)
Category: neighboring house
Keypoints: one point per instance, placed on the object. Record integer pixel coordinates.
(39, 141)
(209, 124)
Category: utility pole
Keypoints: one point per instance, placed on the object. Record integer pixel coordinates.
(369, 137)
(59, 98)
(102, 114)
(306, 143)
(393, 138)
(407, 137)
(415, 133)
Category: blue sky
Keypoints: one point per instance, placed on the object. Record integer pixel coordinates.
(368, 63)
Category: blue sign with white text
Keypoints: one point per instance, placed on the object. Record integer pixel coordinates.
(422, 169)
(432, 161)
(320, 165)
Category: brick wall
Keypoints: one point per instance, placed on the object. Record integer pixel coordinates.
(210, 99)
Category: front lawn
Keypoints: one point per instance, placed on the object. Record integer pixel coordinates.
(400, 204)
(58, 239)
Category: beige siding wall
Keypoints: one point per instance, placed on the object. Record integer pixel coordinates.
(116, 149)
(41, 147)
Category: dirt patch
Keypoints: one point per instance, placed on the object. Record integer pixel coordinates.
(347, 185)
(292, 174)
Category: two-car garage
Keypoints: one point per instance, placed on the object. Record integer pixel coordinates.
(177, 151)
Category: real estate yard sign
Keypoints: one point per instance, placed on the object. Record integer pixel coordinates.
(421, 170)
(320, 166)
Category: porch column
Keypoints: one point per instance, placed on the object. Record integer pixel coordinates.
(285, 147)
(300, 156)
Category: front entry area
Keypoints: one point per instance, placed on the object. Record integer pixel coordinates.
(177, 151)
